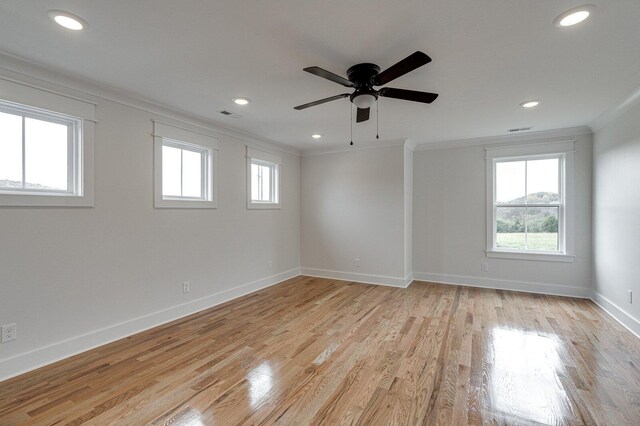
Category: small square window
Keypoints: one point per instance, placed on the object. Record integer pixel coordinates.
(263, 180)
(184, 172)
(41, 157)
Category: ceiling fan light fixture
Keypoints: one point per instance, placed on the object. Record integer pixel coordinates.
(364, 100)
(573, 16)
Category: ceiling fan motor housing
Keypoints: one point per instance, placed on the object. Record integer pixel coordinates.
(362, 75)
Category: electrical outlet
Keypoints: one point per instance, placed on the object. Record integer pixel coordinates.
(357, 262)
(9, 333)
(185, 287)
(484, 266)
(630, 300)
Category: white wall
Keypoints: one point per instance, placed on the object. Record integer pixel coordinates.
(73, 278)
(449, 223)
(352, 206)
(616, 217)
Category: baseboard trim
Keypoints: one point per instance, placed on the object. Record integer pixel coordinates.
(499, 284)
(361, 278)
(408, 280)
(28, 361)
(617, 313)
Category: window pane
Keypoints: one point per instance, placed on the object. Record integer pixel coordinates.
(510, 185)
(191, 174)
(265, 183)
(255, 182)
(274, 190)
(542, 228)
(510, 230)
(10, 151)
(45, 155)
(542, 181)
(171, 171)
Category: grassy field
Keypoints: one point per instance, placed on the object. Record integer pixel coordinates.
(536, 241)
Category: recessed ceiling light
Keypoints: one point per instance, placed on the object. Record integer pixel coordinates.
(530, 104)
(67, 20)
(574, 16)
(241, 101)
(316, 136)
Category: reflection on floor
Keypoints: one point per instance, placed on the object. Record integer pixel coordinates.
(314, 350)
(523, 375)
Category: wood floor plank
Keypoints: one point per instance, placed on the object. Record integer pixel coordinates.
(321, 351)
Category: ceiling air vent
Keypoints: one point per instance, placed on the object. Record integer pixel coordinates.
(230, 114)
(519, 129)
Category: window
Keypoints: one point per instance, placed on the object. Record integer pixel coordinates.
(184, 171)
(528, 201)
(264, 176)
(41, 158)
(263, 170)
(184, 168)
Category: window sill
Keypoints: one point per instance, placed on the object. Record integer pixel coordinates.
(185, 204)
(263, 206)
(42, 200)
(544, 257)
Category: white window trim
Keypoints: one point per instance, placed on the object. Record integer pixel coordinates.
(80, 160)
(268, 158)
(183, 138)
(566, 231)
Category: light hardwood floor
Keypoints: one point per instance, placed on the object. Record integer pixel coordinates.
(319, 351)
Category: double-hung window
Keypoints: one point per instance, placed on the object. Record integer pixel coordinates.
(263, 179)
(44, 157)
(529, 201)
(185, 166)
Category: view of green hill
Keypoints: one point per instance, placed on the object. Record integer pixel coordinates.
(539, 219)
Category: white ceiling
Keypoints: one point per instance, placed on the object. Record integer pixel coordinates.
(488, 56)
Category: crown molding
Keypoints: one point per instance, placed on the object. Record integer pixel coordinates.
(625, 104)
(22, 71)
(540, 136)
(391, 143)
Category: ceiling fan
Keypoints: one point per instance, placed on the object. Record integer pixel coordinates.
(363, 78)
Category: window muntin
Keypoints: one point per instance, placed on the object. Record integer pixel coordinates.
(40, 152)
(264, 182)
(528, 208)
(185, 171)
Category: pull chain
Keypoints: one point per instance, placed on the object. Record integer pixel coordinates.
(378, 119)
(351, 113)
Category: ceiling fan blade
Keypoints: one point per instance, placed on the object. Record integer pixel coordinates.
(408, 64)
(362, 115)
(321, 101)
(408, 95)
(329, 76)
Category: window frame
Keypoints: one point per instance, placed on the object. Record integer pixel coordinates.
(268, 160)
(189, 140)
(563, 150)
(79, 191)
